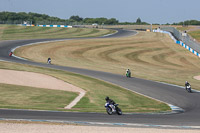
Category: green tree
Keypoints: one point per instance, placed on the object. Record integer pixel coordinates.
(76, 18)
(112, 21)
(138, 21)
(88, 20)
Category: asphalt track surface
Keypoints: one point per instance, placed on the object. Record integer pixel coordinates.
(171, 94)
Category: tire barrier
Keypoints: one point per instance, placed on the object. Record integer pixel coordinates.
(178, 42)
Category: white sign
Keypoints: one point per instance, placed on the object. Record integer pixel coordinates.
(184, 34)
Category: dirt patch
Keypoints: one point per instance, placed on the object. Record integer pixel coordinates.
(40, 81)
(45, 128)
(197, 77)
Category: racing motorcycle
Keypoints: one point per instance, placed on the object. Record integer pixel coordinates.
(111, 109)
(49, 61)
(188, 88)
(10, 54)
(128, 74)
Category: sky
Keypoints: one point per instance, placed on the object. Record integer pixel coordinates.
(151, 11)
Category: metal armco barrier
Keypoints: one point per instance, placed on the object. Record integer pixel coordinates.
(184, 41)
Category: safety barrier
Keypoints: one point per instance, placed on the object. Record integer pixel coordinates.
(26, 24)
(65, 26)
(178, 42)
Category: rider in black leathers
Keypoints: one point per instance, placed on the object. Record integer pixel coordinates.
(186, 84)
(49, 60)
(114, 107)
(110, 101)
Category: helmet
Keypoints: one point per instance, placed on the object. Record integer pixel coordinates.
(107, 98)
(186, 82)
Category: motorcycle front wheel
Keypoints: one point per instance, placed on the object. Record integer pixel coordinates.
(109, 110)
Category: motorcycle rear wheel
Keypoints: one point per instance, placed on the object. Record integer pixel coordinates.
(119, 111)
(189, 90)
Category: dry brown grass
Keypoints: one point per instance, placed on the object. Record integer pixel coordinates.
(151, 56)
(1, 31)
(14, 32)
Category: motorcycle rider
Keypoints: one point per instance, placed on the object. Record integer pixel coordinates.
(49, 60)
(186, 84)
(110, 102)
(128, 71)
(10, 54)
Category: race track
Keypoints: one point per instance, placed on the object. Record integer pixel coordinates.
(175, 95)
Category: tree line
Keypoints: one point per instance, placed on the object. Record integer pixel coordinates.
(188, 22)
(31, 18)
(36, 18)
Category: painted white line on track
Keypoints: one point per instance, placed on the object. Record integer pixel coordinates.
(110, 34)
(107, 35)
(4, 60)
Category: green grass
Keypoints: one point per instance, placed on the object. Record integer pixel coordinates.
(184, 28)
(195, 34)
(33, 98)
(193, 31)
(14, 32)
(21, 97)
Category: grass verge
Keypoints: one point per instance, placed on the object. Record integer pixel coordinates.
(34, 98)
(193, 31)
(14, 32)
(195, 34)
(21, 97)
